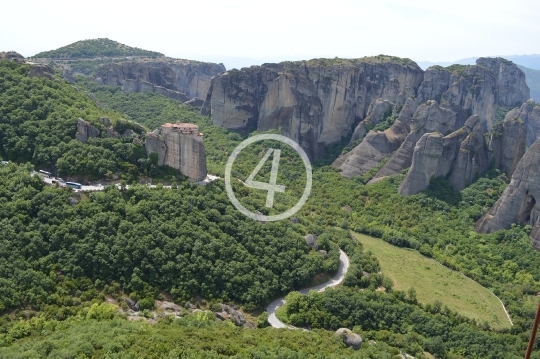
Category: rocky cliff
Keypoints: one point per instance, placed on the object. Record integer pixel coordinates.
(460, 156)
(316, 102)
(12, 56)
(519, 201)
(179, 146)
(529, 113)
(178, 79)
(445, 99)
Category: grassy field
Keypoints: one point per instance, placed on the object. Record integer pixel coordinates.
(407, 268)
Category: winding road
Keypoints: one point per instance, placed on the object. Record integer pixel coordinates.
(338, 278)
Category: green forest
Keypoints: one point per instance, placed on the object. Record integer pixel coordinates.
(64, 253)
(91, 48)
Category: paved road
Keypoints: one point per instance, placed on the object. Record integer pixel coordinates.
(100, 187)
(338, 278)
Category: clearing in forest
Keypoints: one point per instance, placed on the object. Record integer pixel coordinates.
(432, 281)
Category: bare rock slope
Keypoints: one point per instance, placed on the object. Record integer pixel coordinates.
(519, 202)
(445, 100)
(178, 79)
(315, 102)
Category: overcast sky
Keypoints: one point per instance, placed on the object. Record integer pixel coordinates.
(269, 31)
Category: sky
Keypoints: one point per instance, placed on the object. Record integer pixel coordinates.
(253, 32)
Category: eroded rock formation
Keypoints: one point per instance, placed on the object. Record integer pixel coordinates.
(41, 71)
(129, 86)
(529, 113)
(460, 156)
(12, 56)
(349, 338)
(179, 146)
(446, 98)
(316, 102)
(190, 78)
(519, 202)
(85, 130)
(507, 144)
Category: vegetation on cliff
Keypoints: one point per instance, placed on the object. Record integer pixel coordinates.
(57, 258)
(91, 48)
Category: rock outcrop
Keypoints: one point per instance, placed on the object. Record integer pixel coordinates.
(129, 86)
(311, 241)
(377, 146)
(68, 76)
(507, 144)
(446, 98)
(41, 71)
(195, 102)
(460, 156)
(427, 153)
(349, 338)
(12, 56)
(179, 146)
(316, 102)
(529, 113)
(519, 201)
(178, 79)
(85, 130)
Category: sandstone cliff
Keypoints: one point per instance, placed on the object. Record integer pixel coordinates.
(446, 98)
(529, 113)
(178, 79)
(12, 56)
(86, 130)
(460, 156)
(507, 144)
(519, 201)
(316, 102)
(179, 146)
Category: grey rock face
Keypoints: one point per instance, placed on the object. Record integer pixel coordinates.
(183, 151)
(507, 144)
(190, 78)
(519, 201)
(311, 241)
(12, 56)
(106, 121)
(512, 90)
(460, 156)
(377, 110)
(68, 76)
(129, 86)
(350, 339)
(41, 71)
(315, 103)
(133, 305)
(529, 113)
(85, 130)
(459, 92)
(195, 102)
(234, 315)
(427, 153)
(429, 117)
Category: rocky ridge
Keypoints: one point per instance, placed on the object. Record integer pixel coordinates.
(181, 80)
(445, 100)
(315, 102)
(183, 150)
(519, 201)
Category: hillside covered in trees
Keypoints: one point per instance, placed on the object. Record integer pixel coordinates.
(91, 48)
(63, 255)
